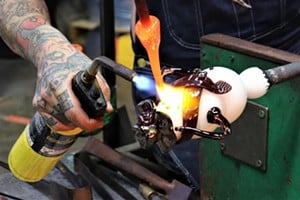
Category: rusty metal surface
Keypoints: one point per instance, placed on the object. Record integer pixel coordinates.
(14, 187)
(123, 163)
(57, 186)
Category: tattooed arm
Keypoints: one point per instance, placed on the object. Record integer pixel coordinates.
(26, 29)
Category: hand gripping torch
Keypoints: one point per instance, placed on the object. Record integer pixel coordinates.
(87, 89)
(39, 148)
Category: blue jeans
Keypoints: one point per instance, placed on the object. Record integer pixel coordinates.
(274, 23)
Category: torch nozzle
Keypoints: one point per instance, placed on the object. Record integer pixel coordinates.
(89, 74)
(121, 70)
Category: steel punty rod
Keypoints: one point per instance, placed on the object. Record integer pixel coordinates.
(282, 73)
(142, 11)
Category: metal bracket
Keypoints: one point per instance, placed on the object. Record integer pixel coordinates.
(248, 142)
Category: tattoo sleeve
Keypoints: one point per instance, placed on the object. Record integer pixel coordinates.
(19, 18)
(25, 27)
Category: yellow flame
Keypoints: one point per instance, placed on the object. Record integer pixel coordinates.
(170, 96)
(179, 100)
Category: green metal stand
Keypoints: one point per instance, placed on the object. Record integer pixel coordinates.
(261, 160)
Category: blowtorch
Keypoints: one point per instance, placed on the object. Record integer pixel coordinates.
(39, 147)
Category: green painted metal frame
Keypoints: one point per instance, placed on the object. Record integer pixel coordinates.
(223, 177)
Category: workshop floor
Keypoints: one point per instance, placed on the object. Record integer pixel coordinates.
(17, 80)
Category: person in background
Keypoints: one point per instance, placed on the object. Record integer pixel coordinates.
(274, 23)
(27, 30)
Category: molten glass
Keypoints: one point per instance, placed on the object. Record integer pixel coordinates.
(148, 32)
